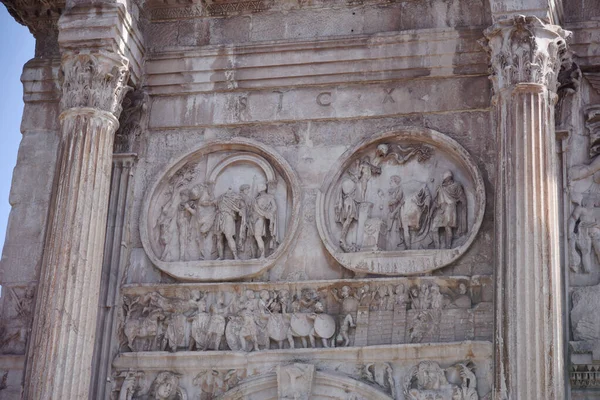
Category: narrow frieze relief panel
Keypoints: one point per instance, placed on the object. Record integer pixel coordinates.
(410, 379)
(401, 203)
(15, 321)
(320, 314)
(226, 211)
(584, 189)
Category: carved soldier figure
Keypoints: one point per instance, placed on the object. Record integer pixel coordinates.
(463, 300)
(450, 211)
(175, 332)
(346, 210)
(216, 326)
(350, 305)
(395, 207)
(167, 230)
(183, 223)
(246, 226)
(199, 329)
(248, 329)
(230, 209)
(264, 215)
(584, 226)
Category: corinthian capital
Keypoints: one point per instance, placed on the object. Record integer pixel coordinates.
(526, 50)
(94, 80)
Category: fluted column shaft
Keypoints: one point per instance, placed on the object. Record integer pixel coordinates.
(59, 360)
(526, 57)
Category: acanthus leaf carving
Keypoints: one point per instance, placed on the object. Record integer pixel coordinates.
(526, 50)
(94, 80)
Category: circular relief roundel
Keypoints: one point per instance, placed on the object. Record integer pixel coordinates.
(401, 203)
(227, 210)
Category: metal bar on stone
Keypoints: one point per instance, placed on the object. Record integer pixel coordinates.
(526, 57)
(59, 360)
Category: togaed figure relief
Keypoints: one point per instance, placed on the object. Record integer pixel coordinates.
(449, 212)
(202, 208)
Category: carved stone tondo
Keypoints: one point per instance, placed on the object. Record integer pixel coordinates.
(225, 211)
(400, 203)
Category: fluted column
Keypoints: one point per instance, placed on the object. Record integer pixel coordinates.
(60, 353)
(526, 57)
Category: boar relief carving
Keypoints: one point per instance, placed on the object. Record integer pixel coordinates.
(225, 211)
(401, 203)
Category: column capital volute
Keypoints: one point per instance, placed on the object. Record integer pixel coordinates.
(523, 49)
(94, 79)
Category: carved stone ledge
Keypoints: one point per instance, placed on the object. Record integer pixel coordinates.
(94, 80)
(173, 9)
(526, 50)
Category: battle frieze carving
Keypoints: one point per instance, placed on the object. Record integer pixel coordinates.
(254, 317)
(401, 203)
(226, 211)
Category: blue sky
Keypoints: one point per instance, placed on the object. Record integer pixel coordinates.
(17, 46)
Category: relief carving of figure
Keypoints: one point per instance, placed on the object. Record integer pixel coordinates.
(230, 208)
(346, 210)
(248, 330)
(584, 226)
(183, 223)
(395, 205)
(363, 174)
(350, 305)
(462, 300)
(174, 333)
(216, 326)
(264, 216)
(200, 320)
(416, 217)
(203, 212)
(450, 211)
(166, 387)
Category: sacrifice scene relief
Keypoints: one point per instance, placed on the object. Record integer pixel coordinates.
(406, 206)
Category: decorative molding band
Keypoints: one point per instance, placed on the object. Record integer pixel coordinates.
(170, 9)
(369, 58)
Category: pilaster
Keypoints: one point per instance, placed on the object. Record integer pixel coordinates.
(526, 57)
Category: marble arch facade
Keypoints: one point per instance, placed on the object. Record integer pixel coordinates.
(305, 199)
